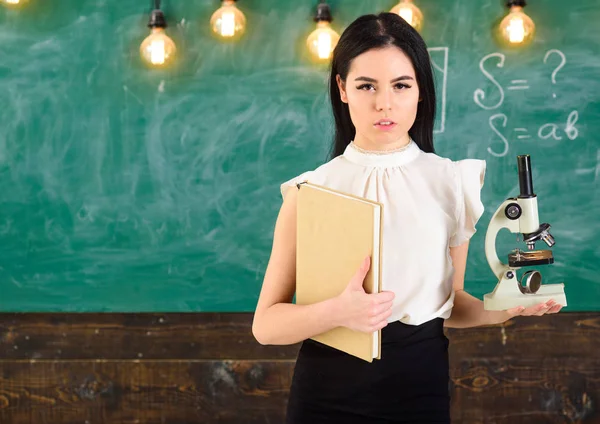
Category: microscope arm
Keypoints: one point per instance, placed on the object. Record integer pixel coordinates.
(498, 222)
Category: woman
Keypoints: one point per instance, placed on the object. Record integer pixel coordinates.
(383, 100)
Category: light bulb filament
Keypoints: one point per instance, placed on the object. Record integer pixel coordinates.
(516, 30)
(324, 45)
(407, 15)
(228, 24)
(157, 52)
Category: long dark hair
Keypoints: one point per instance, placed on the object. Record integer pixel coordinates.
(375, 32)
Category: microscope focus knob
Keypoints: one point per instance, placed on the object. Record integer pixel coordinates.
(513, 211)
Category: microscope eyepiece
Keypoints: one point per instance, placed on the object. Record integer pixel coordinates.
(525, 179)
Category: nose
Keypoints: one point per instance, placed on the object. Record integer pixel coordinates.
(383, 100)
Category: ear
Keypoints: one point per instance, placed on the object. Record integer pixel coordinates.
(342, 88)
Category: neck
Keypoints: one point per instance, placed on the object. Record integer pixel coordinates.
(365, 143)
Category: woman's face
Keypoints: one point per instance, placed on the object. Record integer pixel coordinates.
(381, 85)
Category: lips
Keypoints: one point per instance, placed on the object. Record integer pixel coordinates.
(385, 124)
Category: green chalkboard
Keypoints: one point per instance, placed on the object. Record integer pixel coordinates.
(128, 189)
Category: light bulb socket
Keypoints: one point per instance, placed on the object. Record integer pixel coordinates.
(520, 3)
(323, 13)
(157, 19)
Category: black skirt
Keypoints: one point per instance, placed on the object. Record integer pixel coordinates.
(410, 384)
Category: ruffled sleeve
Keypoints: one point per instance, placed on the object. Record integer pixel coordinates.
(470, 175)
(291, 183)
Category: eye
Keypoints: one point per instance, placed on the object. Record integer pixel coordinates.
(367, 86)
(401, 86)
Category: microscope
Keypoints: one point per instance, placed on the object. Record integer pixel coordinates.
(520, 215)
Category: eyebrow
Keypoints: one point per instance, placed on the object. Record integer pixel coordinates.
(367, 79)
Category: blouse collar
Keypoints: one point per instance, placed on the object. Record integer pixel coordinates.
(382, 159)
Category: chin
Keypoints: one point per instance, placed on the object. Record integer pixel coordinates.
(388, 136)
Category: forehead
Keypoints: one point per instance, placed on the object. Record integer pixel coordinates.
(387, 61)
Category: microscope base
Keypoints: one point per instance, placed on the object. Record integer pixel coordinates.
(512, 298)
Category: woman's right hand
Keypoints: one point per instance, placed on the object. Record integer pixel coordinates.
(362, 311)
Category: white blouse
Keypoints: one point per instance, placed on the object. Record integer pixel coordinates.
(430, 204)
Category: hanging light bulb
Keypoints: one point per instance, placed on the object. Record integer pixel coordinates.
(13, 3)
(157, 49)
(410, 13)
(228, 22)
(516, 27)
(322, 40)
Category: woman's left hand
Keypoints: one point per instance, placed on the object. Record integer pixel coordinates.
(550, 307)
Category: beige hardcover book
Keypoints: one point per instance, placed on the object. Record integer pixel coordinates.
(335, 232)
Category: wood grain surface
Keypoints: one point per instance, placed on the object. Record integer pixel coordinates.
(207, 368)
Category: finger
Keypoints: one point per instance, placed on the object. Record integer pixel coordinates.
(532, 310)
(383, 307)
(543, 309)
(366, 264)
(376, 320)
(378, 326)
(382, 324)
(515, 311)
(535, 309)
(555, 308)
(364, 267)
(385, 296)
(358, 279)
(377, 309)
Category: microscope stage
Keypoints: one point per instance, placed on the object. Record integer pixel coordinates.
(535, 257)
